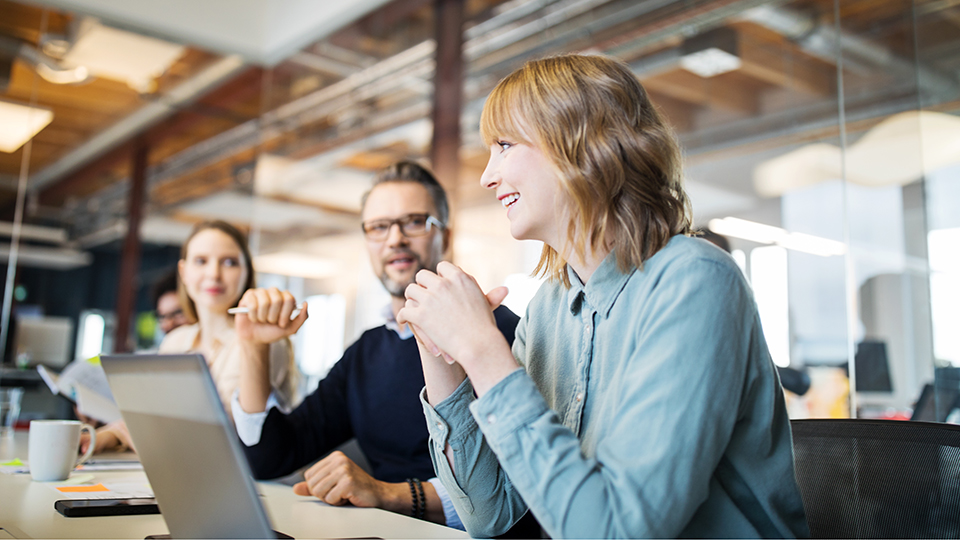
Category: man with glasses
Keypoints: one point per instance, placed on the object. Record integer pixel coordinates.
(169, 313)
(372, 393)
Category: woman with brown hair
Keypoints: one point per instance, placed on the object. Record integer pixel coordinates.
(214, 271)
(639, 398)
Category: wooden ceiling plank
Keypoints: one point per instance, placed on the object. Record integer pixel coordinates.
(786, 67)
(23, 21)
(688, 87)
(678, 113)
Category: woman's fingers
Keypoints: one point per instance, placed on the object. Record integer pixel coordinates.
(287, 305)
(250, 301)
(297, 322)
(427, 279)
(275, 306)
(448, 269)
(426, 341)
(496, 296)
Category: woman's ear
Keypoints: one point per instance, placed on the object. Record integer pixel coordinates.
(180, 264)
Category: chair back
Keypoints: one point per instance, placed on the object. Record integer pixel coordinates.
(879, 478)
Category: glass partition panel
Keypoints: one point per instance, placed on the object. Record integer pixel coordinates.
(937, 38)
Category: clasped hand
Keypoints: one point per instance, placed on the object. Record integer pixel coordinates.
(268, 317)
(449, 313)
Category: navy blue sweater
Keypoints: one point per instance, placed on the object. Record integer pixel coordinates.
(373, 394)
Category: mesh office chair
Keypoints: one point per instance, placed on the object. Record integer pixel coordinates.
(879, 478)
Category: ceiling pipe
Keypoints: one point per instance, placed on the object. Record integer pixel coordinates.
(57, 258)
(859, 54)
(48, 68)
(146, 116)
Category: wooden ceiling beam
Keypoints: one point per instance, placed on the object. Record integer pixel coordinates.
(777, 61)
(679, 114)
(243, 87)
(23, 21)
(688, 87)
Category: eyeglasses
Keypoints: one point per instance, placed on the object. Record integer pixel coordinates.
(169, 316)
(411, 225)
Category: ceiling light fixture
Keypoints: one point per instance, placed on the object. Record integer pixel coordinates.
(711, 53)
(122, 56)
(767, 234)
(19, 123)
(76, 75)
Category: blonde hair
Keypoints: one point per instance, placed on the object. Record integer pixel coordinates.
(617, 161)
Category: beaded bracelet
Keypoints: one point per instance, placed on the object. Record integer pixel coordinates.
(422, 511)
(418, 507)
(415, 505)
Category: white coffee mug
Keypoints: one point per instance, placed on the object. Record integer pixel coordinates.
(53, 448)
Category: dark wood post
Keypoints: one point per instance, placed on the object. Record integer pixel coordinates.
(448, 95)
(128, 282)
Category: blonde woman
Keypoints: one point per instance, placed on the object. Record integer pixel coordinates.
(214, 270)
(639, 398)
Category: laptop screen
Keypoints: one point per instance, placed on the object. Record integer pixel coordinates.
(188, 447)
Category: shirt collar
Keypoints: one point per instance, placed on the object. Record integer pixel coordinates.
(602, 289)
(404, 333)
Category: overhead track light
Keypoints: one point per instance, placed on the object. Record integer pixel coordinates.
(711, 53)
(19, 123)
(767, 234)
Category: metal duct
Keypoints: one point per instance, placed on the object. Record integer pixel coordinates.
(144, 117)
(48, 68)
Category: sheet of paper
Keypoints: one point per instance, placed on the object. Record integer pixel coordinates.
(96, 406)
(84, 382)
(86, 373)
(14, 466)
(110, 465)
(51, 378)
(104, 490)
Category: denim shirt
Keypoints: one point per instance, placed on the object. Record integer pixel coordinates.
(647, 406)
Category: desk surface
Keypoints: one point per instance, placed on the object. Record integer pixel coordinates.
(26, 511)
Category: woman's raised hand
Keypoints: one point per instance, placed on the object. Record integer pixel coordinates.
(268, 315)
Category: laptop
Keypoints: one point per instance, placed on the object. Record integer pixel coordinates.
(188, 447)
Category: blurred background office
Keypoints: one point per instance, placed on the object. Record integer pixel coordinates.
(821, 138)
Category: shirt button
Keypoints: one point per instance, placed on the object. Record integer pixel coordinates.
(439, 425)
(491, 418)
(579, 397)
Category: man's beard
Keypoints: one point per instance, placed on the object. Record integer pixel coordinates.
(397, 288)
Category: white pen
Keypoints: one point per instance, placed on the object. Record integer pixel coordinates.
(241, 309)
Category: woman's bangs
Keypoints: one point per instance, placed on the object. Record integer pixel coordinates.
(501, 118)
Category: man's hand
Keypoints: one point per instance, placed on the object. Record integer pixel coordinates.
(113, 436)
(337, 480)
(268, 318)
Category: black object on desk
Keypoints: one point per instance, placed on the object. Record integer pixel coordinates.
(106, 507)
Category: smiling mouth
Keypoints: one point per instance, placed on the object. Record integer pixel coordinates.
(508, 200)
(401, 261)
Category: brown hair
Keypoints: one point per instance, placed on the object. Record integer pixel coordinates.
(189, 308)
(617, 161)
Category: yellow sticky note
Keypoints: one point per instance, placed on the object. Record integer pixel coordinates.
(82, 489)
(12, 463)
